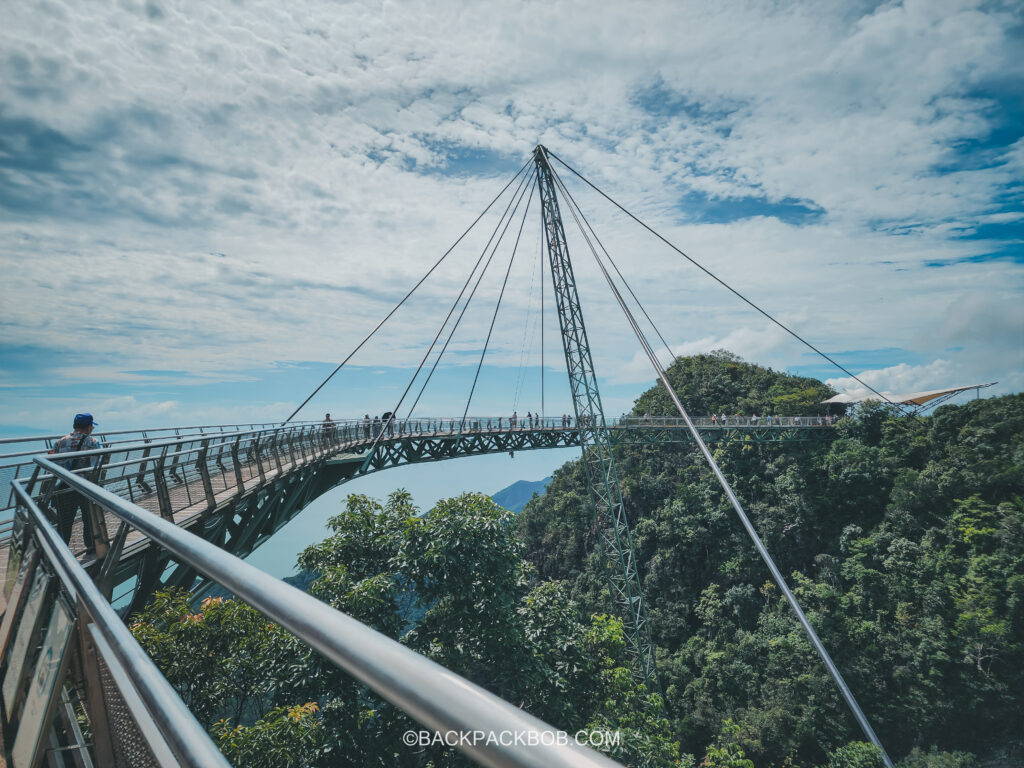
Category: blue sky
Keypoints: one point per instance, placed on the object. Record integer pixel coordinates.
(203, 208)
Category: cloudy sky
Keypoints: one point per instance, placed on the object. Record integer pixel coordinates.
(205, 206)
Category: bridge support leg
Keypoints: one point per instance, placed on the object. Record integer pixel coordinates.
(150, 570)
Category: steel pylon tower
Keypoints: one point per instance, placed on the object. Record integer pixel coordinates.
(605, 492)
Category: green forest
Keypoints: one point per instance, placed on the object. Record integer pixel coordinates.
(902, 537)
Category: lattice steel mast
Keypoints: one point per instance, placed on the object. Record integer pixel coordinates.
(606, 496)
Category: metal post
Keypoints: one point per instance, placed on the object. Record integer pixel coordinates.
(606, 495)
(291, 448)
(90, 671)
(93, 517)
(140, 478)
(175, 472)
(275, 452)
(204, 473)
(255, 449)
(238, 467)
(162, 495)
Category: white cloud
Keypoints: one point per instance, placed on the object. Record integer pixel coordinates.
(901, 379)
(311, 144)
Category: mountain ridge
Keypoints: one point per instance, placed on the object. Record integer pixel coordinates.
(515, 497)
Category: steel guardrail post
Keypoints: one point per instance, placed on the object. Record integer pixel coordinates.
(291, 447)
(140, 478)
(255, 451)
(89, 669)
(163, 497)
(173, 470)
(314, 438)
(274, 453)
(316, 447)
(204, 474)
(235, 450)
(95, 518)
(219, 458)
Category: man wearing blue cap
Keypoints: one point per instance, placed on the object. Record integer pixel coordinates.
(68, 502)
(79, 440)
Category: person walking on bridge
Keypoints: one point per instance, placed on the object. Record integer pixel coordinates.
(69, 501)
(328, 430)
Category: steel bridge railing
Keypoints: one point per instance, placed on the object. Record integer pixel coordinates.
(192, 470)
(162, 732)
(712, 422)
(136, 435)
(184, 473)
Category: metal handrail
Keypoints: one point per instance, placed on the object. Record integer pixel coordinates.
(436, 697)
(177, 431)
(129, 446)
(185, 737)
(143, 442)
(200, 427)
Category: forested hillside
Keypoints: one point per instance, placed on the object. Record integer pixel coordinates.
(904, 541)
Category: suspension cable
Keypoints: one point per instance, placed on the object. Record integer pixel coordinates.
(751, 531)
(623, 279)
(529, 322)
(458, 298)
(469, 278)
(721, 282)
(494, 317)
(541, 238)
(410, 293)
(521, 191)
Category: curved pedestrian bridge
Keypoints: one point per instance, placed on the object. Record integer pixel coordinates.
(236, 485)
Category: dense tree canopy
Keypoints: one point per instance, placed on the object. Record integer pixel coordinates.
(904, 539)
(452, 585)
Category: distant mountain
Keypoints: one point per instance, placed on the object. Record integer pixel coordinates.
(514, 497)
(301, 580)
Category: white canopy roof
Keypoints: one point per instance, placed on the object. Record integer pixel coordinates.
(909, 398)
